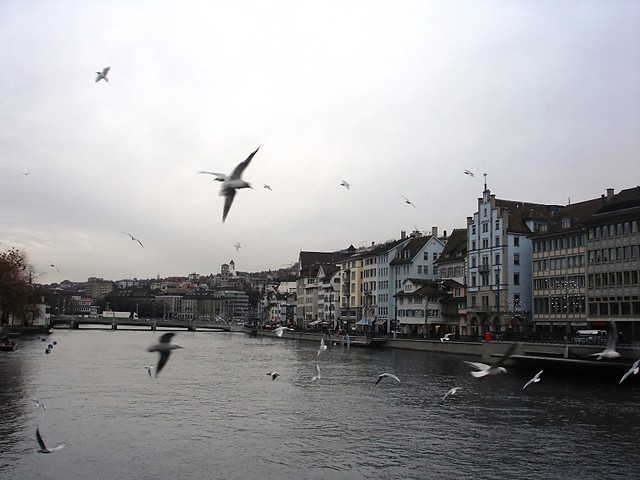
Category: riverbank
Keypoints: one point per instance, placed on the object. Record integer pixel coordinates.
(559, 357)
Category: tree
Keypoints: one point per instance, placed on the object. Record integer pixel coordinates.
(16, 292)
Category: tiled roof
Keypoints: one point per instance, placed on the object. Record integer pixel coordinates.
(576, 213)
(519, 212)
(626, 199)
(456, 246)
(413, 247)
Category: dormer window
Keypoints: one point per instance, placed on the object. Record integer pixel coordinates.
(566, 222)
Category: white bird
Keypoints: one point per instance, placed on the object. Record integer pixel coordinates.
(38, 404)
(103, 74)
(535, 379)
(149, 370)
(234, 182)
(453, 391)
(268, 187)
(610, 350)
(280, 330)
(163, 347)
(53, 266)
(635, 368)
(43, 447)
(468, 172)
(134, 239)
(274, 375)
(446, 338)
(384, 375)
(346, 184)
(238, 246)
(495, 368)
(317, 375)
(407, 201)
(323, 347)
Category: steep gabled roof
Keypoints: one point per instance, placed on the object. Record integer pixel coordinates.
(410, 250)
(456, 246)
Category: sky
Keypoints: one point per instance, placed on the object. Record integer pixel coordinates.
(398, 98)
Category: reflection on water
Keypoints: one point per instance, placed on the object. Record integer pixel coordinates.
(214, 413)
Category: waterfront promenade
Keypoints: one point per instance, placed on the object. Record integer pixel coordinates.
(571, 357)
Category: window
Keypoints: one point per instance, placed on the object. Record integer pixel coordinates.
(516, 259)
(516, 279)
(516, 241)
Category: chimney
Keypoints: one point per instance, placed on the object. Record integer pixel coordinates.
(434, 231)
(609, 194)
(403, 234)
(444, 234)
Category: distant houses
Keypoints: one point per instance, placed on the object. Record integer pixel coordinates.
(518, 266)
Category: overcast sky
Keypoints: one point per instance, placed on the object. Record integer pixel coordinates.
(396, 97)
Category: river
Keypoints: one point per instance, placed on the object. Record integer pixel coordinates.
(213, 412)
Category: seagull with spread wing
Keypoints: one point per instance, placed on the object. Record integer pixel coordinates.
(387, 375)
(408, 202)
(535, 379)
(610, 350)
(43, 447)
(232, 182)
(163, 347)
(635, 368)
(483, 370)
(134, 239)
(103, 75)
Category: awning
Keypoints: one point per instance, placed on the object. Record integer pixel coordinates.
(364, 321)
(411, 321)
(380, 322)
(315, 322)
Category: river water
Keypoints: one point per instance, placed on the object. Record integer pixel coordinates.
(213, 412)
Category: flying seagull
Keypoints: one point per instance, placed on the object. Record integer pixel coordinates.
(134, 239)
(495, 368)
(53, 266)
(610, 350)
(469, 172)
(38, 404)
(446, 338)
(25, 174)
(274, 375)
(323, 347)
(280, 330)
(238, 246)
(103, 74)
(535, 379)
(346, 184)
(453, 391)
(635, 368)
(234, 182)
(317, 375)
(149, 370)
(163, 347)
(390, 375)
(268, 187)
(43, 447)
(407, 201)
